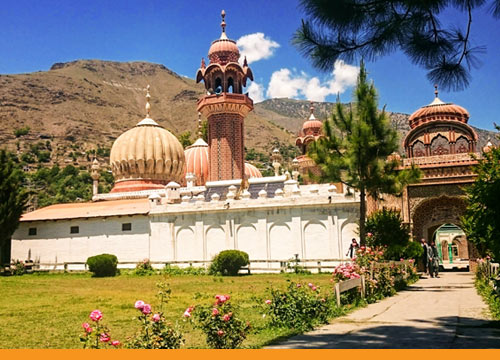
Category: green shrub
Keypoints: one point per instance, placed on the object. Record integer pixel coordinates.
(385, 228)
(190, 270)
(144, 268)
(413, 251)
(299, 307)
(22, 131)
(103, 265)
(228, 262)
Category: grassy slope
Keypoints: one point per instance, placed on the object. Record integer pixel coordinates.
(46, 311)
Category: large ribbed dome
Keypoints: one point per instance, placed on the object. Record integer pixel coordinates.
(251, 171)
(146, 157)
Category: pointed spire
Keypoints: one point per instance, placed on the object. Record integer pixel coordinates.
(203, 65)
(312, 117)
(148, 105)
(436, 101)
(436, 90)
(245, 63)
(200, 134)
(223, 25)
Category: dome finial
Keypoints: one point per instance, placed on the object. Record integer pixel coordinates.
(148, 105)
(223, 25)
(311, 108)
(200, 134)
(436, 90)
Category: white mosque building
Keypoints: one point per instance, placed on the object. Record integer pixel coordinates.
(223, 203)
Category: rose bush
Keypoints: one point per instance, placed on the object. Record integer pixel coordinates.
(220, 323)
(144, 268)
(298, 307)
(96, 335)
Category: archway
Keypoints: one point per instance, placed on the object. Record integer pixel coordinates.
(452, 246)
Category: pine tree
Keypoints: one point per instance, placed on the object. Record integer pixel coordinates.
(356, 148)
(13, 200)
(348, 29)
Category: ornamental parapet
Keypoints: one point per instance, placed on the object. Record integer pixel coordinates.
(443, 160)
(228, 103)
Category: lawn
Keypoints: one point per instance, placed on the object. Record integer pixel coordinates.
(47, 310)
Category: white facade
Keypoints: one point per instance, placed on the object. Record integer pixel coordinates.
(317, 225)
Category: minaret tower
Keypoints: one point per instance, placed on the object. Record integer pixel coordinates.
(225, 106)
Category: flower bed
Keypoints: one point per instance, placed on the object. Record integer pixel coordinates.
(488, 285)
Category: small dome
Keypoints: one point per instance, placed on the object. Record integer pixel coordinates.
(223, 50)
(146, 157)
(312, 126)
(438, 110)
(251, 171)
(197, 161)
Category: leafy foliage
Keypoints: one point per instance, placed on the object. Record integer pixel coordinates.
(13, 198)
(298, 306)
(21, 131)
(228, 262)
(190, 270)
(356, 148)
(185, 138)
(220, 323)
(481, 221)
(144, 268)
(349, 29)
(488, 286)
(386, 229)
(103, 265)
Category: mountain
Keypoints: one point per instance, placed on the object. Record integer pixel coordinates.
(78, 106)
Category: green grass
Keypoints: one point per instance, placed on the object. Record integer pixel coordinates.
(47, 310)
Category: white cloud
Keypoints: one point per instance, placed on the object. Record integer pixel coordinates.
(256, 92)
(284, 83)
(256, 47)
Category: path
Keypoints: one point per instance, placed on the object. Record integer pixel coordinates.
(441, 313)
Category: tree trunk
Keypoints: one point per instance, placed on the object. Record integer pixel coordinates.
(362, 216)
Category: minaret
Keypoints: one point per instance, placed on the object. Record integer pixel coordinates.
(94, 173)
(225, 106)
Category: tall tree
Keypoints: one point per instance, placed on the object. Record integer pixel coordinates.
(481, 221)
(356, 149)
(13, 200)
(347, 29)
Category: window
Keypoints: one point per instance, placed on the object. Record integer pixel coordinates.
(32, 231)
(74, 230)
(126, 226)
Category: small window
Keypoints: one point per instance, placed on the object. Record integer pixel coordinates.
(126, 226)
(32, 231)
(74, 230)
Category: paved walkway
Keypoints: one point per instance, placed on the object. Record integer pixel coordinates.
(439, 313)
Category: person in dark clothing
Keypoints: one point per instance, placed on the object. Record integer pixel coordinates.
(433, 259)
(352, 248)
(424, 254)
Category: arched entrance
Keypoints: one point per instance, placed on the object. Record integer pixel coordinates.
(438, 219)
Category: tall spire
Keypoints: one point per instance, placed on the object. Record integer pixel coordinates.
(223, 25)
(436, 90)
(436, 101)
(148, 105)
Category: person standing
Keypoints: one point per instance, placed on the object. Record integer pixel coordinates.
(352, 248)
(424, 254)
(433, 259)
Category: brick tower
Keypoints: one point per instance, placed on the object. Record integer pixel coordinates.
(225, 107)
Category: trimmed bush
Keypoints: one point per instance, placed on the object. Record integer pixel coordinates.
(103, 265)
(228, 262)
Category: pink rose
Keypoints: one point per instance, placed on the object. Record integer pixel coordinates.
(96, 315)
(215, 312)
(268, 301)
(369, 234)
(104, 337)
(226, 317)
(156, 317)
(88, 330)
(115, 343)
(362, 248)
(310, 285)
(313, 288)
(187, 314)
(299, 285)
(323, 300)
(85, 326)
(139, 304)
(220, 333)
(146, 309)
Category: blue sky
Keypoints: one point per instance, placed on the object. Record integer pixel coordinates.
(177, 33)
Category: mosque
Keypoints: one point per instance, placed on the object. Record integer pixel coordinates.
(184, 206)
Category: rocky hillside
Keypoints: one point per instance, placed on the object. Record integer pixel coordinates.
(62, 114)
